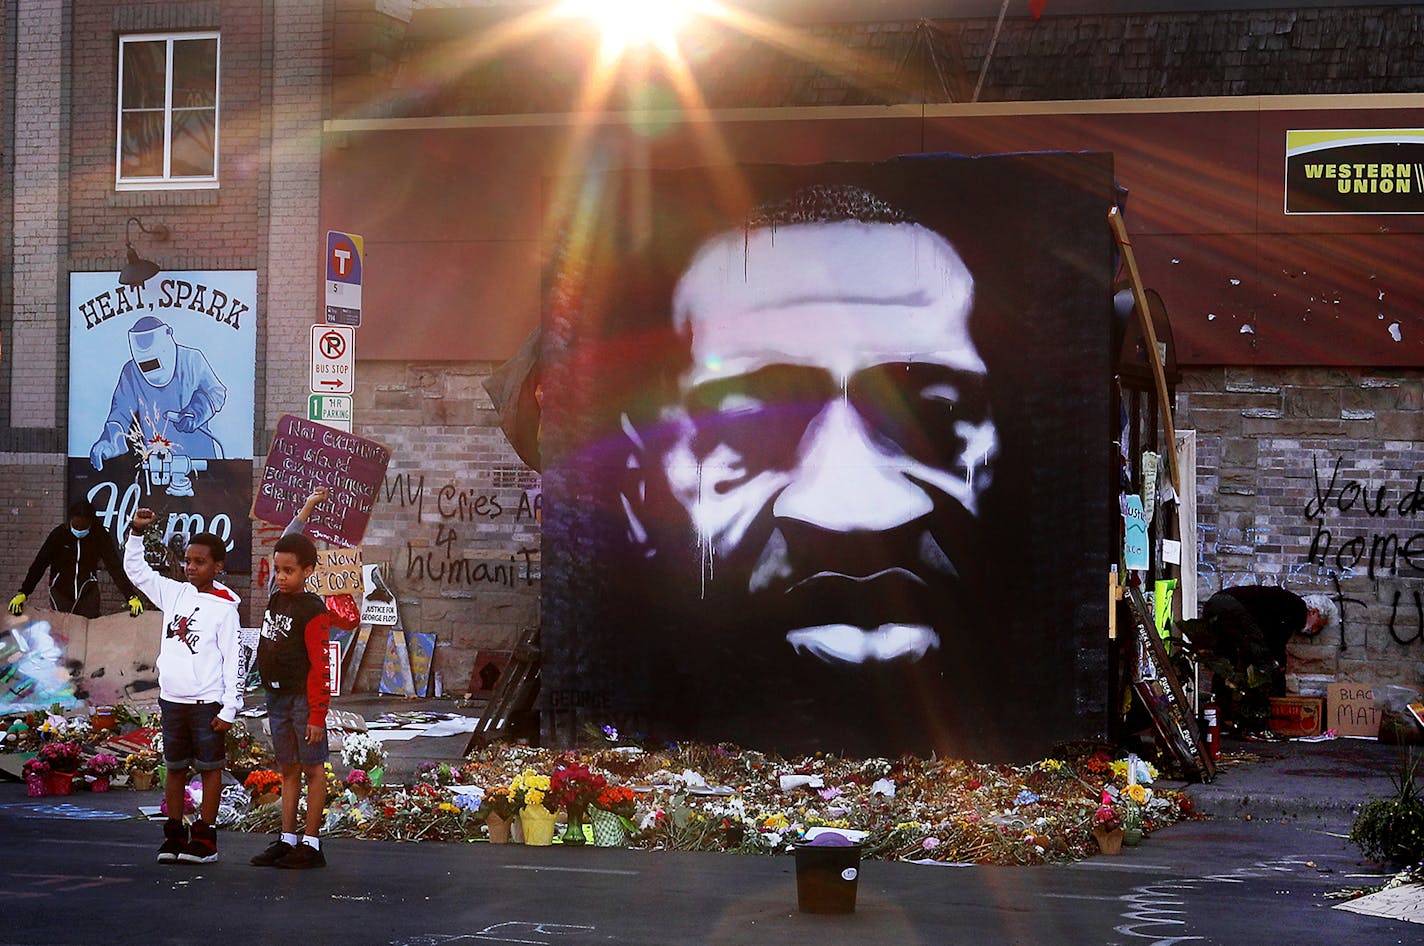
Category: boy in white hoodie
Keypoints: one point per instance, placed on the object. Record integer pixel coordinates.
(198, 690)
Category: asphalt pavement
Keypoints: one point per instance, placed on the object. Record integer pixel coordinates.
(81, 870)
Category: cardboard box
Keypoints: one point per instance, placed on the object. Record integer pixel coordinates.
(1297, 715)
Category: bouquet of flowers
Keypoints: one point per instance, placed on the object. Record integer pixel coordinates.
(61, 756)
(574, 786)
(530, 789)
(363, 751)
(103, 764)
(499, 801)
(618, 799)
(244, 751)
(263, 782)
(144, 760)
(1106, 817)
(36, 768)
(357, 780)
(436, 773)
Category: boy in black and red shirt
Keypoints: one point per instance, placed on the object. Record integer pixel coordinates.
(291, 657)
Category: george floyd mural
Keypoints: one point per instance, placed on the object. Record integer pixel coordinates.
(828, 455)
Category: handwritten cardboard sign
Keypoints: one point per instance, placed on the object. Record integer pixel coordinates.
(1351, 709)
(338, 572)
(305, 455)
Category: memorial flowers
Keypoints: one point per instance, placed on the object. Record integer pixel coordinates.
(102, 764)
(61, 756)
(499, 801)
(617, 799)
(530, 789)
(363, 751)
(262, 784)
(575, 786)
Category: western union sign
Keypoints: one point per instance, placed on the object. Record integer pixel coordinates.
(1358, 171)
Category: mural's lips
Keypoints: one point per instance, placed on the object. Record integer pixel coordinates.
(842, 643)
(892, 597)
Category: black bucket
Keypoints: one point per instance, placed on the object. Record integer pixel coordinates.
(826, 877)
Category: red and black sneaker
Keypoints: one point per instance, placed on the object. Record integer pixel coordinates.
(202, 847)
(175, 839)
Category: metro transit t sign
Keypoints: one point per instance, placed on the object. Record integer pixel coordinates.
(344, 269)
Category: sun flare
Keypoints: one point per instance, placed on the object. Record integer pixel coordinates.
(623, 24)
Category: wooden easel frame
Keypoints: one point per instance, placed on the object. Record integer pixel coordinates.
(515, 691)
(1162, 695)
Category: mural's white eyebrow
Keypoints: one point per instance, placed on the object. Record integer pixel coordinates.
(918, 298)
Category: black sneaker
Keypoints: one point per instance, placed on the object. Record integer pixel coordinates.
(274, 853)
(302, 857)
(175, 839)
(202, 847)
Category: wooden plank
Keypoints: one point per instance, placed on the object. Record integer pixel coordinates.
(1154, 355)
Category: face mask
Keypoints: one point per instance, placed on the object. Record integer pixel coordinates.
(79, 533)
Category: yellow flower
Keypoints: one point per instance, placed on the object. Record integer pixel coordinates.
(533, 797)
(446, 806)
(1052, 765)
(1137, 793)
(777, 820)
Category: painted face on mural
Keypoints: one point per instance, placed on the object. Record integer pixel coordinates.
(832, 436)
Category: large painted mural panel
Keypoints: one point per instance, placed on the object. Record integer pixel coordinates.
(828, 455)
(161, 401)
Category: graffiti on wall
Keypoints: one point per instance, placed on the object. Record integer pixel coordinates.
(1359, 529)
(459, 512)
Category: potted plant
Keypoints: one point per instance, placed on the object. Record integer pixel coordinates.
(1392, 829)
(363, 751)
(36, 777)
(575, 787)
(63, 759)
(358, 783)
(1107, 827)
(612, 816)
(264, 785)
(101, 768)
(141, 766)
(536, 814)
(499, 808)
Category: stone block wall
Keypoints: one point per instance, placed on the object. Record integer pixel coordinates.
(1313, 479)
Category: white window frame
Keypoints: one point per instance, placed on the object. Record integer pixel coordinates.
(167, 181)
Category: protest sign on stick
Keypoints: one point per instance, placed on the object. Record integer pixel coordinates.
(305, 455)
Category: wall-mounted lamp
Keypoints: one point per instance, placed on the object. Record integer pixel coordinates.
(138, 270)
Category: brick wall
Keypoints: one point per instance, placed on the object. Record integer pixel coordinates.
(457, 524)
(1311, 479)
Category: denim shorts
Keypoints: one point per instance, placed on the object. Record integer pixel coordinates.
(188, 738)
(288, 714)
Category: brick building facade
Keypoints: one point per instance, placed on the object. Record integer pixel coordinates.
(457, 525)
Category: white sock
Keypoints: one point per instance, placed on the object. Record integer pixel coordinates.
(311, 842)
(291, 839)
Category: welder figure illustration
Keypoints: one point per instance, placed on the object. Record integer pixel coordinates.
(165, 397)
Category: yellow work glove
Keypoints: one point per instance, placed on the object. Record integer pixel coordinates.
(17, 604)
(135, 607)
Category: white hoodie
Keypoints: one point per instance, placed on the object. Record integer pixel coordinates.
(198, 660)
